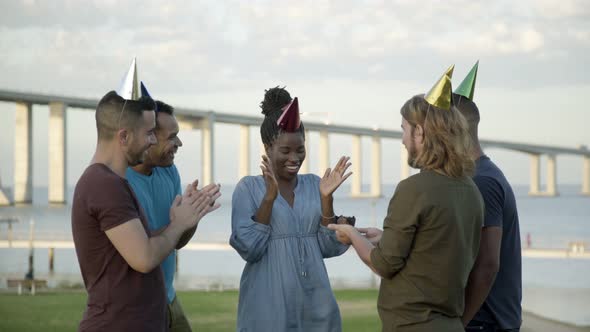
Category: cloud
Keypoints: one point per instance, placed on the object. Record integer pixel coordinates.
(559, 10)
(194, 42)
(499, 39)
(358, 60)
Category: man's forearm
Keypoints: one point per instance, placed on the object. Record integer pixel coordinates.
(160, 246)
(142, 252)
(363, 248)
(186, 237)
(478, 287)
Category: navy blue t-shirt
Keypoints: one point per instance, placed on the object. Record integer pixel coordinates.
(502, 306)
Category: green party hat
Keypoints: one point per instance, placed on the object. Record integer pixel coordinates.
(467, 87)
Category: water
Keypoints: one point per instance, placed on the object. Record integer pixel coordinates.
(552, 222)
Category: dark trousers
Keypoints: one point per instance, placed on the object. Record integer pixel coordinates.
(475, 326)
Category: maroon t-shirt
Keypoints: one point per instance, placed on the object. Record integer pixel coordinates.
(119, 298)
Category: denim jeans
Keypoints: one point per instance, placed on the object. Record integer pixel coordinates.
(475, 326)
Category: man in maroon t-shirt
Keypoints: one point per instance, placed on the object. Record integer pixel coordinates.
(119, 258)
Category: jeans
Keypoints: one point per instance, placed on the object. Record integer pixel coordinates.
(475, 326)
(176, 318)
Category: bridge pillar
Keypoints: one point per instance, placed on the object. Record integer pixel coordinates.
(207, 126)
(405, 167)
(23, 154)
(57, 152)
(4, 200)
(357, 162)
(304, 169)
(324, 152)
(551, 189)
(376, 163)
(244, 151)
(534, 173)
(586, 176)
(185, 123)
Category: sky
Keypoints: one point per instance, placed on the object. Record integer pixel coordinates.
(349, 62)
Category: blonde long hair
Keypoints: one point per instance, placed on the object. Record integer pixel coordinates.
(447, 143)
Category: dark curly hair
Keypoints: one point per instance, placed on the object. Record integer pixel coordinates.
(274, 100)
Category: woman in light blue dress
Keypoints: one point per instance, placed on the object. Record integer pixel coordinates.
(279, 228)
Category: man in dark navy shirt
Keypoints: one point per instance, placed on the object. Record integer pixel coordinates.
(494, 290)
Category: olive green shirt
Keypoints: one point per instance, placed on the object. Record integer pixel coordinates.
(429, 244)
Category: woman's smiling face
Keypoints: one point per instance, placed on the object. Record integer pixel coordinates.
(286, 155)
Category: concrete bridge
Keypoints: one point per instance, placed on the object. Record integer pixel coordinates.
(192, 119)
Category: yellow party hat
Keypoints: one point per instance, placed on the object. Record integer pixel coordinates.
(441, 93)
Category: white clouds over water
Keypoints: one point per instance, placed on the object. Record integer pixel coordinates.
(359, 60)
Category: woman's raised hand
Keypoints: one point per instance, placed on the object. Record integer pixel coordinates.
(272, 186)
(333, 178)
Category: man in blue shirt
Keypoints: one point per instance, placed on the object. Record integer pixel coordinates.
(494, 290)
(156, 184)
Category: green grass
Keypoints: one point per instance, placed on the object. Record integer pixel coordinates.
(206, 311)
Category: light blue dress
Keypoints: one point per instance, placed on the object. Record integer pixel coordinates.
(284, 286)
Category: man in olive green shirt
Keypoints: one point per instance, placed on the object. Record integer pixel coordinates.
(430, 236)
(429, 243)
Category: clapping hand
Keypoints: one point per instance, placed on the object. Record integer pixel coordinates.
(272, 186)
(189, 208)
(213, 190)
(333, 178)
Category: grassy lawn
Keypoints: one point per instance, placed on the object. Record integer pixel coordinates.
(206, 311)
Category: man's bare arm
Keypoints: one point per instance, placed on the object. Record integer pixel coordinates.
(141, 252)
(483, 273)
(144, 253)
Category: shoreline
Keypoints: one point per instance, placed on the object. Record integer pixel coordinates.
(568, 253)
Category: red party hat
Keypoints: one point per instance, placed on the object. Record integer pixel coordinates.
(289, 120)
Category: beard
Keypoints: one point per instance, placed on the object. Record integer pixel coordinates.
(135, 157)
(412, 156)
(134, 162)
(166, 159)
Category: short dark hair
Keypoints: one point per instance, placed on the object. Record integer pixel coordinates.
(274, 100)
(113, 113)
(164, 108)
(470, 112)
